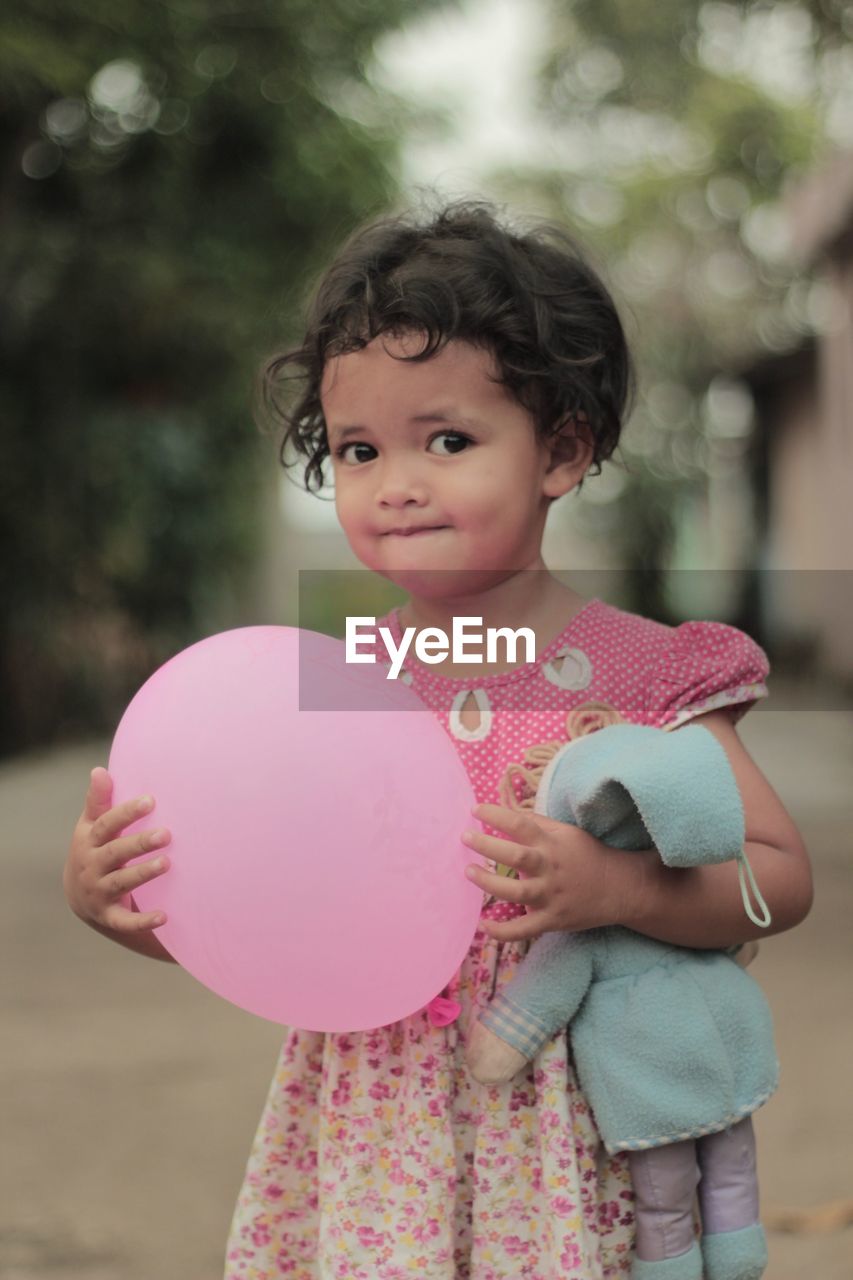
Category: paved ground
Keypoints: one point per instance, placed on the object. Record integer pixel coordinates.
(130, 1094)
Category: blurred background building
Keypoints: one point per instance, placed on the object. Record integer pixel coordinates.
(803, 455)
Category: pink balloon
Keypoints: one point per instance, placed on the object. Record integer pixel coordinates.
(317, 873)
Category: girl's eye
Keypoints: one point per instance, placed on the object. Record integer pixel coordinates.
(455, 440)
(342, 452)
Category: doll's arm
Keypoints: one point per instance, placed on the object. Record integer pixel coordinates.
(702, 906)
(636, 787)
(543, 996)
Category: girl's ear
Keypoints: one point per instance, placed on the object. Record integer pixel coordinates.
(572, 451)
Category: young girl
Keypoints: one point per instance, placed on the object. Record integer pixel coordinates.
(460, 377)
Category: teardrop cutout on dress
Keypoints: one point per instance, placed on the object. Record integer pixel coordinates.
(470, 716)
(569, 669)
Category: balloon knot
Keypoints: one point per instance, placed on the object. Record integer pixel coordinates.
(442, 1011)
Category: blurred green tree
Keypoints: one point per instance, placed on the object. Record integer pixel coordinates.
(172, 173)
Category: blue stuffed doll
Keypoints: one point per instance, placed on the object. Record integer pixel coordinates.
(673, 1046)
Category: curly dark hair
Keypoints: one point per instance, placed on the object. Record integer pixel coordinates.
(530, 298)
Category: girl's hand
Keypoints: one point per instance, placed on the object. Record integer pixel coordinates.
(571, 879)
(95, 878)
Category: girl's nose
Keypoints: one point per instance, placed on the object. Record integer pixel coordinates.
(400, 486)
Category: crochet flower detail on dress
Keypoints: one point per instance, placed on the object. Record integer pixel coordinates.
(589, 717)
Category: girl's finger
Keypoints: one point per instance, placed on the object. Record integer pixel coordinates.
(114, 821)
(99, 795)
(110, 857)
(520, 826)
(118, 883)
(124, 921)
(518, 930)
(503, 887)
(504, 852)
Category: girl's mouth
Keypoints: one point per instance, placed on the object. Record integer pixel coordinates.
(413, 533)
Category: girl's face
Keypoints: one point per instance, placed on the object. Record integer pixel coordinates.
(437, 469)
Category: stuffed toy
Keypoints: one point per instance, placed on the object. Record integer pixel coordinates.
(673, 1046)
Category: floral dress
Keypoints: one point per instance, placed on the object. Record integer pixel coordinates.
(378, 1157)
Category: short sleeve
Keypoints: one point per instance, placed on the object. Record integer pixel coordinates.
(705, 666)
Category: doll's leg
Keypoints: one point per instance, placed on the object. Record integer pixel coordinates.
(733, 1242)
(665, 1180)
(728, 1192)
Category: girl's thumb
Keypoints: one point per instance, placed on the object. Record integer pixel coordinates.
(100, 792)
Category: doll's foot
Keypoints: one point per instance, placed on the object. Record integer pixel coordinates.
(687, 1266)
(735, 1255)
(490, 1059)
